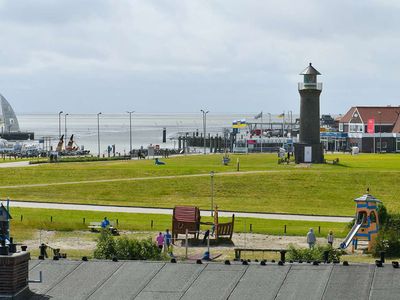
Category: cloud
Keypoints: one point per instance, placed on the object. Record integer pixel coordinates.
(226, 55)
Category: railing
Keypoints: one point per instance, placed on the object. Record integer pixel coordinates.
(310, 86)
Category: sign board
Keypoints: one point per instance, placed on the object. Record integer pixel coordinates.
(371, 126)
(251, 142)
(150, 150)
(307, 154)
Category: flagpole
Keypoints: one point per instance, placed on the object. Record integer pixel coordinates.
(261, 150)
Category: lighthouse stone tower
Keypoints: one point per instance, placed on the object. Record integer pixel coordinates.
(309, 149)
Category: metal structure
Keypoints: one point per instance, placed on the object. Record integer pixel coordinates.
(98, 133)
(309, 149)
(65, 125)
(130, 131)
(212, 191)
(59, 124)
(204, 128)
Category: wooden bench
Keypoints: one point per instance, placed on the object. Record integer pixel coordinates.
(96, 227)
(238, 251)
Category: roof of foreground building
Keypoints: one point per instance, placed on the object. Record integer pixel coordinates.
(160, 280)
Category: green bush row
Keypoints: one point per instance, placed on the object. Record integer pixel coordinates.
(314, 254)
(124, 248)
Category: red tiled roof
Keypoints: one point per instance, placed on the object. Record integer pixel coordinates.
(387, 115)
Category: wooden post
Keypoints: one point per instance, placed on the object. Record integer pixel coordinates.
(319, 229)
(51, 219)
(284, 230)
(84, 220)
(22, 217)
(186, 242)
(117, 222)
(151, 224)
(251, 227)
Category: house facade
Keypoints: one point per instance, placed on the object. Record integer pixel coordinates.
(373, 129)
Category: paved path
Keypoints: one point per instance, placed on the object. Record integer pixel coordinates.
(16, 164)
(168, 211)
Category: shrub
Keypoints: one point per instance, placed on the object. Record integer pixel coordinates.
(382, 214)
(388, 240)
(105, 248)
(316, 253)
(125, 248)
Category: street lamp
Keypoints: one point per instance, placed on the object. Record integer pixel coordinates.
(270, 122)
(212, 192)
(65, 127)
(204, 128)
(59, 124)
(130, 131)
(380, 131)
(98, 133)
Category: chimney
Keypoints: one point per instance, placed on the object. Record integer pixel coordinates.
(14, 271)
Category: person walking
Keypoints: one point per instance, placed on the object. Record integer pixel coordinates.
(330, 238)
(311, 239)
(167, 239)
(160, 241)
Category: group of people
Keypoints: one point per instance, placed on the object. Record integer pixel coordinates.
(164, 241)
(311, 238)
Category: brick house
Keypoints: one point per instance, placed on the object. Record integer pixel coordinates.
(373, 129)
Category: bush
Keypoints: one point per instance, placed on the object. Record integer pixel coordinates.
(105, 248)
(316, 253)
(388, 240)
(382, 214)
(124, 248)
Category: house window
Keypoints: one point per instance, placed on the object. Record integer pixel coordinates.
(356, 128)
(341, 127)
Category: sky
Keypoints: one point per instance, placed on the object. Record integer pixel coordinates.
(225, 56)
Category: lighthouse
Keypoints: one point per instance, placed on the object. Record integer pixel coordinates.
(309, 148)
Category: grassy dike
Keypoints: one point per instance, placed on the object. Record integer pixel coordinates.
(318, 189)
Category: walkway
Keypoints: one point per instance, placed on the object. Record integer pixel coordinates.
(168, 211)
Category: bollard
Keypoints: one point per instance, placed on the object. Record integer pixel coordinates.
(284, 231)
(22, 217)
(382, 253)
(326, 256)
(251, 227)
(117, 222)
(84, 220)
(51, 219)
(151, 224)
(283, 254)
(319, 229)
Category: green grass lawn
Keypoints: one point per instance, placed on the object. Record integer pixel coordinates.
(68, 220)
(319, 189)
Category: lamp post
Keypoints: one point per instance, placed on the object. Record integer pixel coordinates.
(380, 131)
(212, 192)
(98, 133)
(59, 124)
(204, 128)
(130, 132)
(270, 122)
(65, 126)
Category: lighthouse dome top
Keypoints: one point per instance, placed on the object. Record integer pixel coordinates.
(310, 70)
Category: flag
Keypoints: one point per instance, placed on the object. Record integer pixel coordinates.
(282, 115)
(239, 124)
(258, 116)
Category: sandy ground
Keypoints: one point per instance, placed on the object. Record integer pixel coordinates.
(85, 241)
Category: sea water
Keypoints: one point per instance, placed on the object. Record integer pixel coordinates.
(114, 129)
